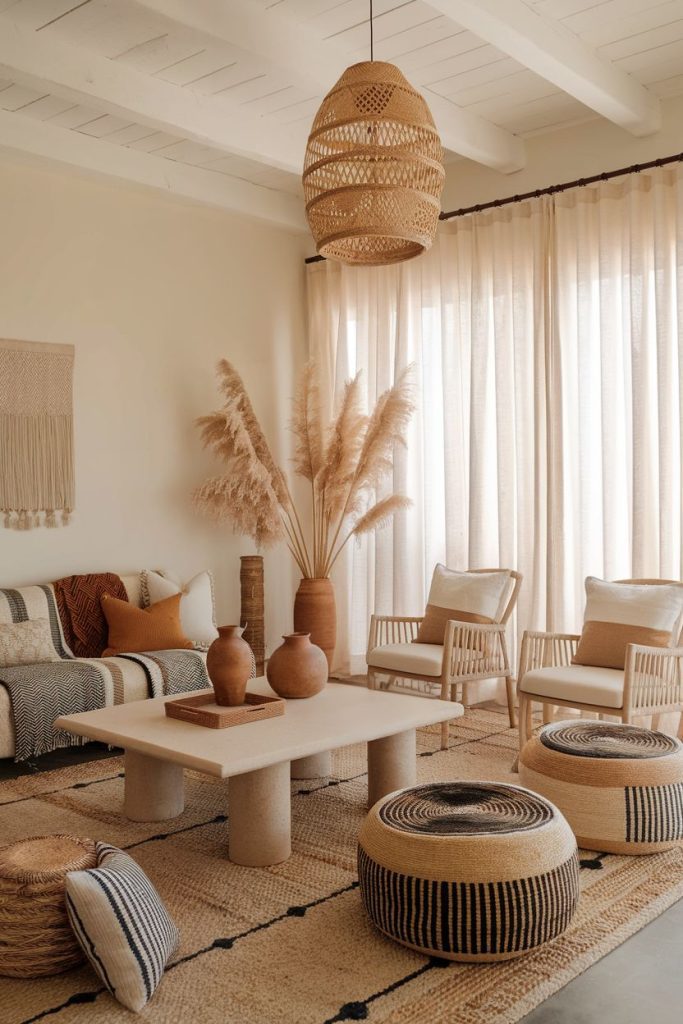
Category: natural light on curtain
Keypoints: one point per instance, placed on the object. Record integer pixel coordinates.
(547, 342)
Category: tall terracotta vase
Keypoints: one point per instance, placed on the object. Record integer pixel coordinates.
(315, 612)
(228, 664)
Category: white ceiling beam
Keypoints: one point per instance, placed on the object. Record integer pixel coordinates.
(550, 50)
(76, 74)
(47, 141)
(316, 63)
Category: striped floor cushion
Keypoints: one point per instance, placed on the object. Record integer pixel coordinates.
(472, 871)
(122, 925)
(619, 787)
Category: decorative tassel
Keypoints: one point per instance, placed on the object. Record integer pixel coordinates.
(66, 516)
(7, 522)
(50, 518)
(21, 521)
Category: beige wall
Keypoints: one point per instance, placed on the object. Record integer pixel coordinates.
(564, 155)
(151, 293)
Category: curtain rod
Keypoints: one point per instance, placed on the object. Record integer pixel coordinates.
(549, 191)
(552, 189)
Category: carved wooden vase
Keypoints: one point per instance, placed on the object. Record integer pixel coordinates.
(228, 664)
(297, 668)
(315, 612)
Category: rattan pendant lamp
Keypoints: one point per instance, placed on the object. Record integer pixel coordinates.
(373, 172)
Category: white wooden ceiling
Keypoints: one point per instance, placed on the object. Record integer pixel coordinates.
(213, 99)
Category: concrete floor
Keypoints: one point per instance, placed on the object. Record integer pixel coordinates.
(641, 982)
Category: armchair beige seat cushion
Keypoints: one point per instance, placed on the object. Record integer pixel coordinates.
(586, 684)
(425, 659)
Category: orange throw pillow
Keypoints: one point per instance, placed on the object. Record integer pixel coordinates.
(134, 630)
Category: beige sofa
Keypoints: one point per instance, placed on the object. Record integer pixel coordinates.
(129, 679)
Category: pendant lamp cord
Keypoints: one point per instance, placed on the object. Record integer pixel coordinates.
(372, 35)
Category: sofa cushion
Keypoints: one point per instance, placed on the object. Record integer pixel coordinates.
(132, 630)
(465, 596)
(585, 684)
(618, 614)
(197, 616)
(26, 643)
(25, 604)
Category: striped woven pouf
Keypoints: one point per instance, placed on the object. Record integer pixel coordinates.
(470, 871)
(619, 787)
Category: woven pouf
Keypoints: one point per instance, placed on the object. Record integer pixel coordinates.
(619, 787)
(35, 936)
(470, 871)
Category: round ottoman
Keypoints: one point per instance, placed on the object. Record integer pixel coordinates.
(470, 871)
(35, 935)
(619, 787)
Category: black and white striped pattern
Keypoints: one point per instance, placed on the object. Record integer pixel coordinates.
(122, 925)
(654, 814)
(477, 919)
(41, 693)
(172, 671)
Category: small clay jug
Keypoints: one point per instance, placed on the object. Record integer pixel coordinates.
(297, 668)
(228, 664)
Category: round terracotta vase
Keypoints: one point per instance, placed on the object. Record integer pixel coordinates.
(297, 668)
(228, 664)
(315, 612)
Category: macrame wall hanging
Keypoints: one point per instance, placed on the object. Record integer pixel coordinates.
(36, 434)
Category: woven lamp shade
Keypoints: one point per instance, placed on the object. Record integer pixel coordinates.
(373, 172)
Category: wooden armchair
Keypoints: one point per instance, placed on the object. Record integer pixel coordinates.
(650, 685)
(471, 653)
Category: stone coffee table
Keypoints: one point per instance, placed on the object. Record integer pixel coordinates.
(257, 757)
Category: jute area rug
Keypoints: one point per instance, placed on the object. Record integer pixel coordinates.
(291, 944)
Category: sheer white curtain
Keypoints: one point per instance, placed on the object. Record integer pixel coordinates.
(547, 342)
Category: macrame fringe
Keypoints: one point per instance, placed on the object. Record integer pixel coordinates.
(29, 519)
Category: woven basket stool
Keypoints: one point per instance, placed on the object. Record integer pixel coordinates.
(619, 787)
(472, 871)
(35, 935)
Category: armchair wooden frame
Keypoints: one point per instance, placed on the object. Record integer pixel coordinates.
(653, 678)
(472, 652)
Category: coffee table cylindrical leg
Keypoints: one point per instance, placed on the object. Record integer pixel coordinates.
(259, 817)
(391, 764)
(153, 790)
(317, 766)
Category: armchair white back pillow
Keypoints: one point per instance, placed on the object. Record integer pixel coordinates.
(197, 611)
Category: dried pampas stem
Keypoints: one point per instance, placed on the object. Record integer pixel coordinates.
(376, 518)
(343, 472)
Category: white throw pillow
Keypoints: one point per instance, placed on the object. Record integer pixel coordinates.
(619, 614)
(26, 643)
(466, 596)
(197, 614)
(122, 925)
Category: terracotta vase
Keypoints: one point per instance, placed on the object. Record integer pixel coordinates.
(315, 612)
(228, 664)
(297, 668)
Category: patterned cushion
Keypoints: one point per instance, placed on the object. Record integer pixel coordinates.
(618, 614)
(131, 629)
(197, 616)
(465, 596)
(122, 925)
(25, 604)
(26, 643)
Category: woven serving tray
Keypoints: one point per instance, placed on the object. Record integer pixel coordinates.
(201, 709)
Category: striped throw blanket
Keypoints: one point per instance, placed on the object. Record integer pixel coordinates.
(41, 693)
